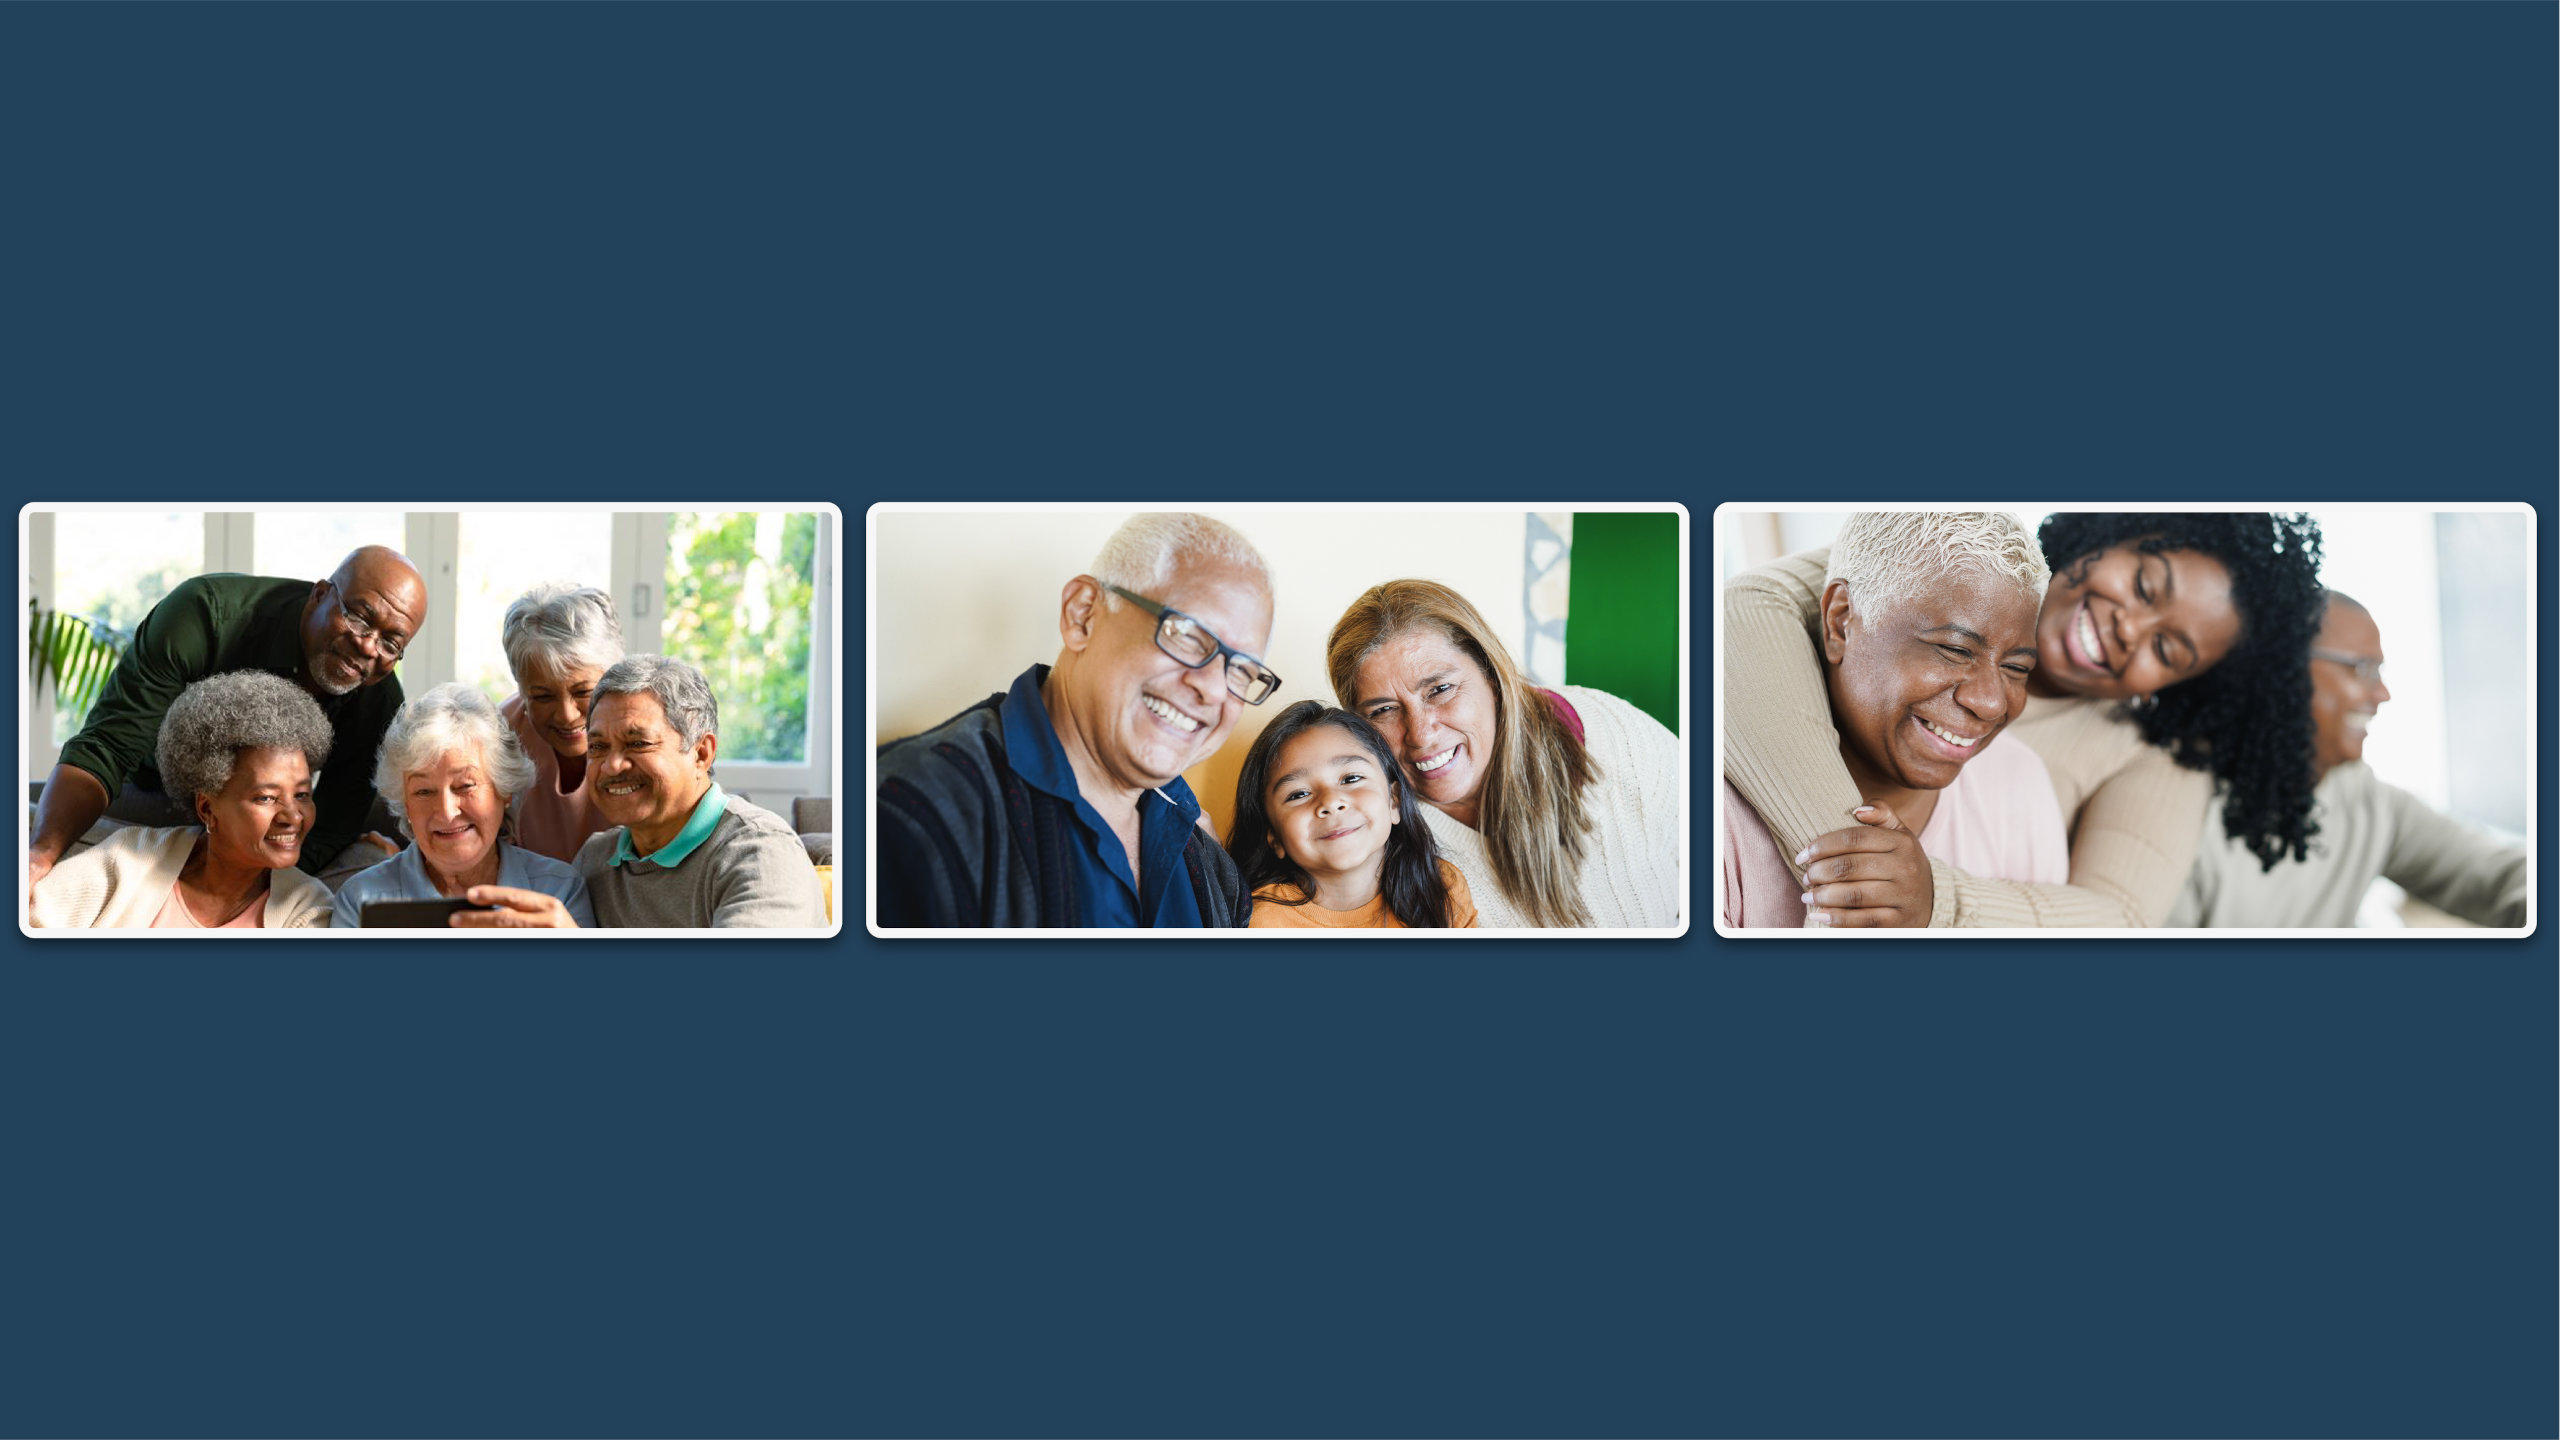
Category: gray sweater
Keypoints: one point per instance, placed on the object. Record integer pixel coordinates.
(752, 872)
(2367, 828)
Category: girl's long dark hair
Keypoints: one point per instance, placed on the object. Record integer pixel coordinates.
(1410, 878)
(2248, 719)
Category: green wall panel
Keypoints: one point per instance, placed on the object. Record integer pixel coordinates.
(1622, 617)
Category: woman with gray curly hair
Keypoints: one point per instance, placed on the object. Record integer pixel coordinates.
(241, 750)
(559, 638)
(448, 767)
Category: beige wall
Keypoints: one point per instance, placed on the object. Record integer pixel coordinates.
(963, 602)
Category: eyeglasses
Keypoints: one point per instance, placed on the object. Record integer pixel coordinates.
(364, 629)
(2366, 667)
(1190, 642)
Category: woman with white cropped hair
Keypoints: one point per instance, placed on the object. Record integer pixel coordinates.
(559, 637)
(1928, 636)
(448, 767)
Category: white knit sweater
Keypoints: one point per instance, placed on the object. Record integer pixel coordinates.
(122, 882)
(1632, 876)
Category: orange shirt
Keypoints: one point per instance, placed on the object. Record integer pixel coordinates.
(1269, 915)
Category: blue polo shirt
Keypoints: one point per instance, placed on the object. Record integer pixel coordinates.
(1105, 890)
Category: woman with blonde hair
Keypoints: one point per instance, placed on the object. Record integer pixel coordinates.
(1560, 807)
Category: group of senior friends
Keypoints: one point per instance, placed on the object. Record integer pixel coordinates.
(586, 800)
(1060, 803)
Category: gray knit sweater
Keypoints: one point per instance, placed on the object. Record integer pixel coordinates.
(753, 873)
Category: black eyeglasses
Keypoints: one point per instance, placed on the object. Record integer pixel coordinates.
(1190, 642)
(2366, 667)
(390, 645)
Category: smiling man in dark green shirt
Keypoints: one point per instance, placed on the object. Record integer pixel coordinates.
(337, 638)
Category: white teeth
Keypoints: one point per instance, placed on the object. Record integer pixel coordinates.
(2089, 637)
(1180, 721)
(1436, 761)
(622, 789)
(1956, 740)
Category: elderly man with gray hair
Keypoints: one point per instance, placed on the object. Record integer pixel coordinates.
(1061, 803)
(683, 853)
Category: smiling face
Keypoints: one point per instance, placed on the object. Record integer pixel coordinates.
(260, 817)
(2123, 623)
(639, 771)
(358, 621)
(557, 702)
(453, 811)
(1437, 707)
(1329, 805)
(2342, 706)
(1921, 686)
(1137, 713)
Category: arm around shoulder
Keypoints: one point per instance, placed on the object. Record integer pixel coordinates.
(2131, 849)
(1780, 747)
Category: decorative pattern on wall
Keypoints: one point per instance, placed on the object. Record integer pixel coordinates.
(1546, 587)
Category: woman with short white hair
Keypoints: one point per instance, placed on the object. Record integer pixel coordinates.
(448, 766)
(559, 637)
(1928, 642)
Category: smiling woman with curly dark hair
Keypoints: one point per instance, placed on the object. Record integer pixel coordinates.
(2172, 660)
(2247, 720)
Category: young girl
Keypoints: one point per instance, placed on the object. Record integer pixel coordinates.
(1327, 837)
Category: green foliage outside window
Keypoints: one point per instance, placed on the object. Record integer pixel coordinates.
(111, 613)
(741, 611)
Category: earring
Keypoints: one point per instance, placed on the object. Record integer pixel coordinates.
(2142, 704)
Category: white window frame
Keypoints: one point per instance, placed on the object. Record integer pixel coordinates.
(433, 537)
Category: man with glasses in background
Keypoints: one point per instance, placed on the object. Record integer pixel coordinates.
(338, 639)
(2367, 829)
(1061, 803)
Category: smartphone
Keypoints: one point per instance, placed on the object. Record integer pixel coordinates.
(413, 914)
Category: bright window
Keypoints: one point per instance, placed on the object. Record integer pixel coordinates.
(113, 566)
(501, 555)
(738, 588)
(308, 544)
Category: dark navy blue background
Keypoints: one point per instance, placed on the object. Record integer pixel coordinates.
(1762, 253)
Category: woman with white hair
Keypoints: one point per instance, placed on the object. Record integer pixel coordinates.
(559, 638)
(448, 766)
(1928, 642)
(239, 750)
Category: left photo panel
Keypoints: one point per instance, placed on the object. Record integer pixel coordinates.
(430, 724)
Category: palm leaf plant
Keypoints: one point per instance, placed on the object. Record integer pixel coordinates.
(75, 653)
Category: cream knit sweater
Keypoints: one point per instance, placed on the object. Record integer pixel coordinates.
(121, 883)
(1631, 872)
(2134, 814)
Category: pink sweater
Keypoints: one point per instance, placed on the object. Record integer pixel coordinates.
(1999, 820)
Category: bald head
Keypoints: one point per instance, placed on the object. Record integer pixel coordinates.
(359, 620)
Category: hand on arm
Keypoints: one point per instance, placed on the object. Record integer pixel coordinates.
(1870, 877)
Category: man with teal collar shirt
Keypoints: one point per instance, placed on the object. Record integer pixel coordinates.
(684, 854)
